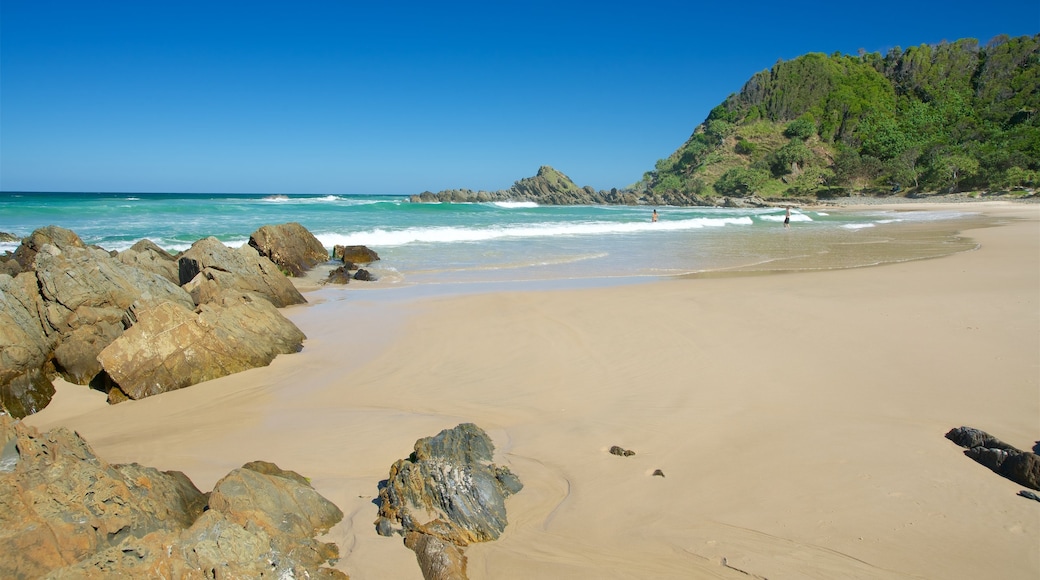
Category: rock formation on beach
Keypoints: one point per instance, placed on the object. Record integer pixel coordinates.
(66, 513)
(445, 496)
(209, 267)
(1021, 467)
(139, 322)
(290, 246)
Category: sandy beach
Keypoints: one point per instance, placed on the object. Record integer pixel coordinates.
(798, 419)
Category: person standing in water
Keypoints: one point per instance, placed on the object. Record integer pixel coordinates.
(787, 218)
(653, 218)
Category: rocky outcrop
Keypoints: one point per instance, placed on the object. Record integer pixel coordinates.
(66, 513)
(209, 267)
(87, 293)
(548, 186)
(290, 246)
(6, 237)
(146, 255)
(1022, 467)
(445, 496)
(171, 347)
(351, 255)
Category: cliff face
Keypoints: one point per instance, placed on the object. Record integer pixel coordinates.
(932, 118)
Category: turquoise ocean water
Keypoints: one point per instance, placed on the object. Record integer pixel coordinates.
(500, 242)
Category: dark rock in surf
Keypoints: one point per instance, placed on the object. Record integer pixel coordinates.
(355, 254)
(365, 276)
(291, 246)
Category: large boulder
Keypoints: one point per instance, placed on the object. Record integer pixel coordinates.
(66, 513)
(25, 347)
(209, 267)
(170, 347)
(446, 493)
(291, 246)
(87, 293)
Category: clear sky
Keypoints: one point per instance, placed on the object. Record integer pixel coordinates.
(323, 96)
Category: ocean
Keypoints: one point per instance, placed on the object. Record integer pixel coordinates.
(445, 243)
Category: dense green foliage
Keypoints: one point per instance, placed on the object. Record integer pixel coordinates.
(948, 117)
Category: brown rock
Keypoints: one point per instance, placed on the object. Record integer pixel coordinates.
(145, 255)
(171, 347)
(25, 347)
(209, 267)
(356, 254)
(291, 246)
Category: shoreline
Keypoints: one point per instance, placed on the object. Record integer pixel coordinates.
(799, 420)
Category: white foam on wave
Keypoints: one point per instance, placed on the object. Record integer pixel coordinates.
(779, 218)
(9, 246)
(515, 204)
(858, 226)
(452, 234)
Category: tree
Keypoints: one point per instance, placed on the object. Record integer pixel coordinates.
(741, 181)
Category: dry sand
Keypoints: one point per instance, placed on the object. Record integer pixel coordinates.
(798, 418)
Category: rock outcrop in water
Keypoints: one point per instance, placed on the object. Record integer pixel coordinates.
(1021, 467)
(548, 186)
(66, 513)
(290, 246)
(445, 496)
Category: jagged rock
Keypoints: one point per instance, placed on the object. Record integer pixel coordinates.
(209, 266)
(25, 347)
(87, 293)
(355, 254)
(291, 246)
(60, 503)
(171, 347)
(6, 237)
(365, 276)
(25, 254)
(340, 275)
(145, 255)
(449, 489)
(65, 513)
(1022, 467)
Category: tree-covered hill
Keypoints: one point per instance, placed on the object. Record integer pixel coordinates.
(949, 117)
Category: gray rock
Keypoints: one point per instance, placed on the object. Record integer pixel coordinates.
(290, 246)
(171, 347)
(448, 489)
(209, 267)
(365, 276)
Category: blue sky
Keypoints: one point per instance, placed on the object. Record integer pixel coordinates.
(401, 97)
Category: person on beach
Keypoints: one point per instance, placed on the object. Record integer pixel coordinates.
(653, 218)
(787, 218)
